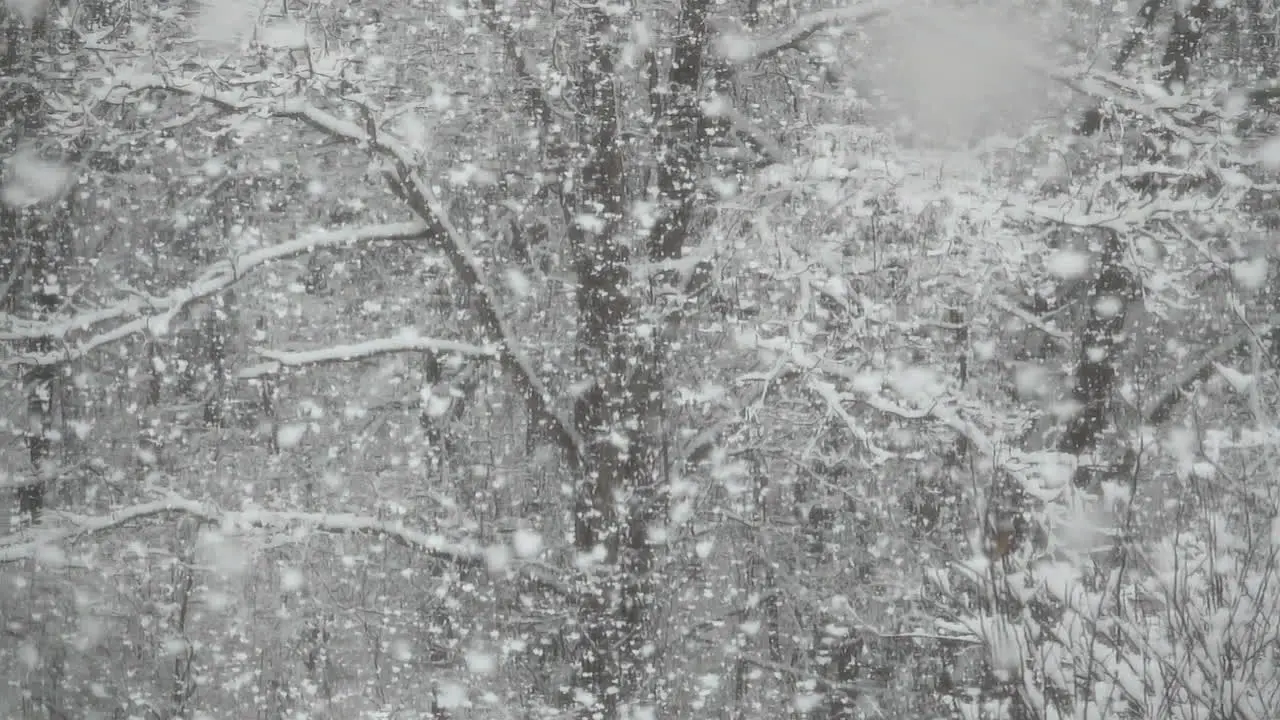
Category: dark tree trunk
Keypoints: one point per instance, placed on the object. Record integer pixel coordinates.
(1184, 42)
(217, 329)
(1138, 32)
(1095, 378)
(41, 235)
(1261, 40)
(620, 491)
(611, 415)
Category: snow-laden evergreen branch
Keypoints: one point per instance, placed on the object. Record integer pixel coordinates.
(280, 359)
(153, 315)
(45, 540)
(408, 183)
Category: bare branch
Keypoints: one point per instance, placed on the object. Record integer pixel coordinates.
(66, 528)
(280, 359)
(799, 674)
(408, 183)
(746, 50)
(216, 278)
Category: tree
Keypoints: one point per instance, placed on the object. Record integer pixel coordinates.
(774, 367)
(598, 165)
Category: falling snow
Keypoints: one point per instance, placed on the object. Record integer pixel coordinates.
(885, 359)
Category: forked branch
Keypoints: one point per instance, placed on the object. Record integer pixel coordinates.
(407, 182)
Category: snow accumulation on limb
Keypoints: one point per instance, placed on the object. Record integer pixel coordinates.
(1161, 406)
(280, 359)
(742, 50)
(1132, 99)
(1012, 308)
(828, 393)
(153, 315)
(1122, 220)
(407, 182)
(41, 540)
(760, 141)
(865, 394)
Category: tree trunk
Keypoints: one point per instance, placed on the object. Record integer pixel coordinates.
(620, 493)
(1109, 298)
(40, 228)
(1184, 42)
(611, 415)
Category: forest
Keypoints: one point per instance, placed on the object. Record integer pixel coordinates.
(639, 359)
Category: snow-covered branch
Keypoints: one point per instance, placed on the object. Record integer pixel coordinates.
(1012, 308)
(407, 182)
(835, 398)
(153, 315)
(1122, 220)
(831, 397)
(58, 529)
(280, 359)
(758, 139)
(743, 50)
(1161, 406)
(1129, 98)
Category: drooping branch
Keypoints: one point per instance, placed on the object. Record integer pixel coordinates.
(1128, 98)
(405, 179)
(153, 315)
(760, 141)
(864, 394)
(1124, 219)
(66, 528)
(278, 360)
(827, 392)
(1030, 319)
